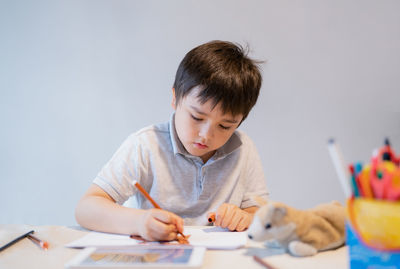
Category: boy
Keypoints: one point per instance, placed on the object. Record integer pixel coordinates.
(195, 164)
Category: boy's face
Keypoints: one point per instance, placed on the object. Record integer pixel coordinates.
(201, 128)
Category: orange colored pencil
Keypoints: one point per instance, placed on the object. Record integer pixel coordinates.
(43, 244)
(262, 262)
(146, 194)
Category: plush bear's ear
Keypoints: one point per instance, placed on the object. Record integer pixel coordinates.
(279, 212)
(260, 201)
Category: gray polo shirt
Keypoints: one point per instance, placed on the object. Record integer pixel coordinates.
(180, 182)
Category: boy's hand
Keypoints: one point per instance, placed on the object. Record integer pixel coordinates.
(232, 217)
(160, 225)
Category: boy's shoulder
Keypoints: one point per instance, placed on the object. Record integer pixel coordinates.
(162, 128)
(150, 134)
(243, 137)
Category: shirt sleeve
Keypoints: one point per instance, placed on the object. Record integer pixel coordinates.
(255, 179)
(117, 175)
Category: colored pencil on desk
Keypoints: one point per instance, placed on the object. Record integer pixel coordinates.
(43, 244)
(262, 262)
(15, 240)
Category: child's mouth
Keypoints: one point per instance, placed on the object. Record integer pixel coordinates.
(200, 146)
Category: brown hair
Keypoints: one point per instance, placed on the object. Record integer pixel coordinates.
(224, 72)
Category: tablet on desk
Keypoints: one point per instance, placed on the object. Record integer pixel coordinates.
(149, 257)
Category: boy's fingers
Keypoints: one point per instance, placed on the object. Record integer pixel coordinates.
(168, 217)
(229, 214)
(180, 225)
(234, 222)
(220, 214)
(171, 236)
(227, 218)
(161, 215)
(244, 223)
(167, 223)
(178, 221)
(232, 217)
(162, 231)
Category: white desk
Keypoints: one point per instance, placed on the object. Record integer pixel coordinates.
(25, 254)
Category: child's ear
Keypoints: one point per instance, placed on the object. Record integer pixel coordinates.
(173, 104)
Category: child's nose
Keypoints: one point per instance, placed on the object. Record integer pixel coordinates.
(206, 131)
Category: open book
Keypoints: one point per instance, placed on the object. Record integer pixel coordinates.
(202, 236)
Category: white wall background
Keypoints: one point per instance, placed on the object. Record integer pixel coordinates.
(77, 77)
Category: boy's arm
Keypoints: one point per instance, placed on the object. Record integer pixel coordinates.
(251, 209)
(98, 211)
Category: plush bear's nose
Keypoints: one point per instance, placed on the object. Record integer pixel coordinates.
(250, 236)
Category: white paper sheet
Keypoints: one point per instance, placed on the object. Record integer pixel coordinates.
(204, 236)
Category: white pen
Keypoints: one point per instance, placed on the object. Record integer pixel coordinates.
(340, 167)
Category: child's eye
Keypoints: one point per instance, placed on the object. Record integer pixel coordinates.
(268, 226)
(196, 119)
(224, 127)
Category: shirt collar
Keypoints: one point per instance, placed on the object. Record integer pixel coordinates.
(231, 145)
